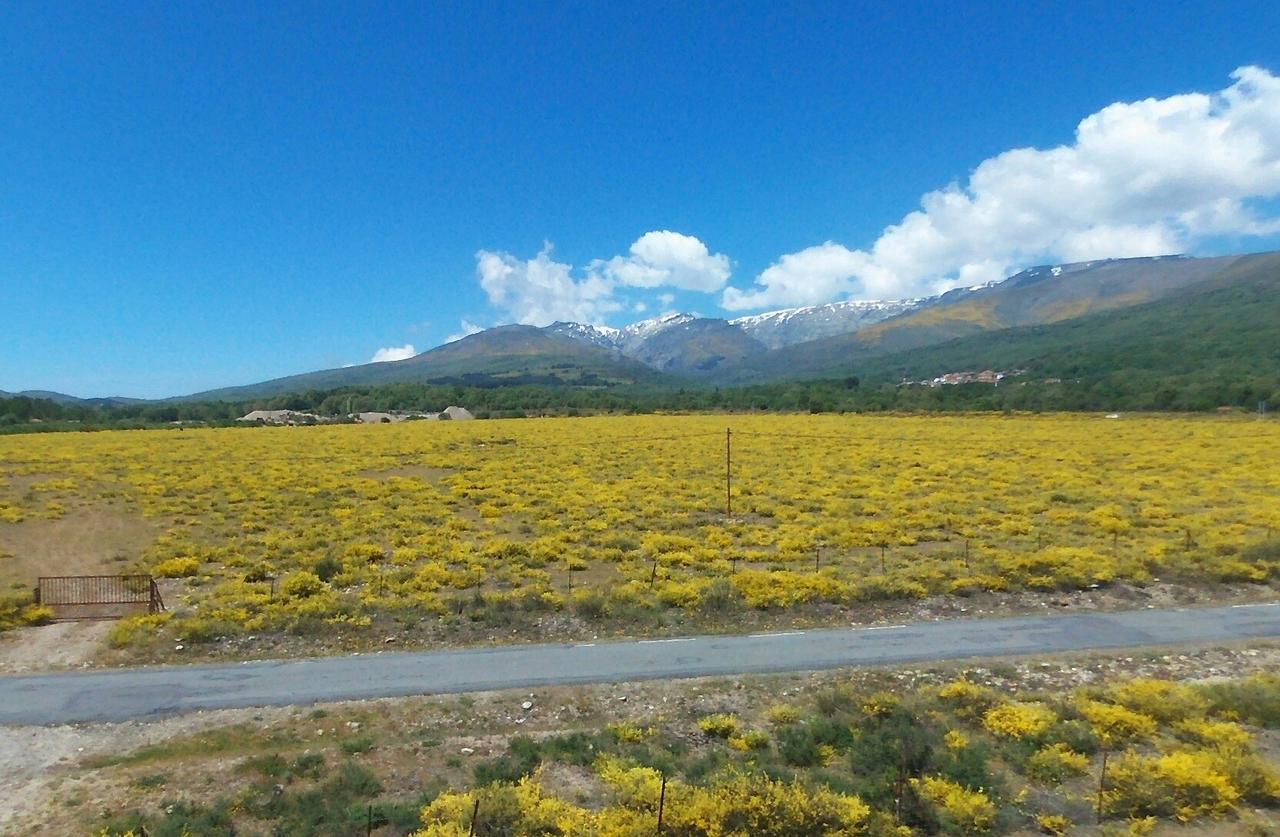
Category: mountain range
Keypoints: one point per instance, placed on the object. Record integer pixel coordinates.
(812, 342)
(1032, 318)
(65, 400)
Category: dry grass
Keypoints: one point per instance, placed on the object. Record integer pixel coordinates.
(88, 540)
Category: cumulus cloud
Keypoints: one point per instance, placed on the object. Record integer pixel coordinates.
(466, 329)
(541, 290)
(667, 259)
(812, 276)
(393, 353)
(1141, 178)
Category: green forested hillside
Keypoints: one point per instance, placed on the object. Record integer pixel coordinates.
(1205, 347)
(1037, 298)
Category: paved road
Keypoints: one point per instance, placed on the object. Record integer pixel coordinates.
(148, 692)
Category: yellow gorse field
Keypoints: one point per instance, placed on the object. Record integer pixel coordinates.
(288, 528)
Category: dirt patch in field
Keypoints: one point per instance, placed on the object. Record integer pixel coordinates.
(40, 764)
(61, 645)
(421, 472)
(89, 540)
(18, 484)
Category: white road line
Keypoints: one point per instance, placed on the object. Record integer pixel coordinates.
(780, 633)
(1260, 604)
(881, 627)
(652, 641)
(586, 645)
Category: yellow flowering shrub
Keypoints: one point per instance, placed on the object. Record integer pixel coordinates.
(1225, 734)
(736, 805)
(1160, 699)
(302, 585)
(633, 786)
(762, 807)
(414, 520)
(18, 610)
(1056, 762)
(781, 714)
(718, 726)
(176, 568)
(1020, 720)
(1117, 726)
(629, 733)
(1186, 785)
(970, 700)
(131, 630)
(752, 739)
(967, 811)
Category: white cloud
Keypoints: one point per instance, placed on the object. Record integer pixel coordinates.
(393, 353)
(540, 290)
(466, 329)
(813, 275)
(1141, 178)
(663, 258)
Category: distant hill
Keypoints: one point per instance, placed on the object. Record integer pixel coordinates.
(904, 337)
(1037, 296)
(71, 400)
(698, 347)
(505, 355)
(1226, 329)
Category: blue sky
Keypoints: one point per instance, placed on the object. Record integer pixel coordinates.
(198, 195)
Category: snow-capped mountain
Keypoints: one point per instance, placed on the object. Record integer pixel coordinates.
(771, 330)
(631, 338)
(627, 339)
(689, 343)
(598, 335)
(798, 325)
(738, 351)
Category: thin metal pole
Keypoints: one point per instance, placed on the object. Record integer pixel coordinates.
(1102, 784)
(662, 802)
(475, 812)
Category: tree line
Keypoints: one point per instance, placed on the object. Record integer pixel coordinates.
(1127, 391)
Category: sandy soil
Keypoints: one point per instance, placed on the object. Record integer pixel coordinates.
(62, 645)
(37, 762)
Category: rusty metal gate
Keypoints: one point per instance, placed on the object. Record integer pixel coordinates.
(98, 596)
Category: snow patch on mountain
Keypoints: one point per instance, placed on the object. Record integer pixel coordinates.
(788, 326)
(627, 339)
(830, 309)
(598, 335)
(798, 325)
